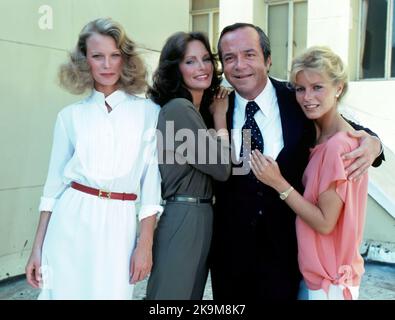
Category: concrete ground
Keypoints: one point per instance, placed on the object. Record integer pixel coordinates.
(378, 283)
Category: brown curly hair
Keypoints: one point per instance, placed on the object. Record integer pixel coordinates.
(167, 79)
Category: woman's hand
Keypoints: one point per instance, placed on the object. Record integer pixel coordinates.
(223, 92)
(33, 269)
(219, 106)
(141, 262)
(33, 266)
(266, 170)
(218, 109)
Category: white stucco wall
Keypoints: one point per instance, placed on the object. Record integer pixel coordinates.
(232, 11)
(328, 24)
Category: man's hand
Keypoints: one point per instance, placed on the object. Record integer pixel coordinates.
(369, 149)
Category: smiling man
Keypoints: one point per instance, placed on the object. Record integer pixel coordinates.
(254, 249)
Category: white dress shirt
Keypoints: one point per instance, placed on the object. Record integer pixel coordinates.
(267, 118)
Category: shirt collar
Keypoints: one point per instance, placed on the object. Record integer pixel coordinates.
(264, 99)
(113, 100)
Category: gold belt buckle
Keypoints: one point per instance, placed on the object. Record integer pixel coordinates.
(101, 196)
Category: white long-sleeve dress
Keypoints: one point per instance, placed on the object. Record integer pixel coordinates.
(89, 240)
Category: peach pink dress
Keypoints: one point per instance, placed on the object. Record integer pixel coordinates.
(334, 259)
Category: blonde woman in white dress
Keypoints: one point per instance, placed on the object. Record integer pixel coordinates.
(103, 160)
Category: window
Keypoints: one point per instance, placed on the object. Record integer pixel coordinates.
(377, 40)
(205, 18)
(286, 24)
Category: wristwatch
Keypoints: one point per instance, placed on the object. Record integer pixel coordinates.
(284, 195)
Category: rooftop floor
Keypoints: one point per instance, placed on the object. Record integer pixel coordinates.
(378, 283)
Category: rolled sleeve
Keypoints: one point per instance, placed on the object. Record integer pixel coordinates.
(149, 210)
(62, 151)
(46, 204)
(150, 183)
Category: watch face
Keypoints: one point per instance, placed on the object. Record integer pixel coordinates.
(284, 195)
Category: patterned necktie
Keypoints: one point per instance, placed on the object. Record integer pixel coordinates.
(109, 109)
(256, 141)
(250, 123)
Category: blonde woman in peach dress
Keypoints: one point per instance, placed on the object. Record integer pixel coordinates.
(331, 212)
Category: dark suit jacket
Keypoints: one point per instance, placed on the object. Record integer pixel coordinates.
(254, 249)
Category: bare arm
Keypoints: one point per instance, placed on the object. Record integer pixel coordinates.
(32, 269)
(321, 217)
(141, 261)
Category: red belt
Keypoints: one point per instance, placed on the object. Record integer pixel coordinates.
(103, 194)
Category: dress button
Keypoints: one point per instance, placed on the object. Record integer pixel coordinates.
(259, 193)
(260, 212)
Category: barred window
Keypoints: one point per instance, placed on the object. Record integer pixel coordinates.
(205, 18)
(287, 31)
(377, 39)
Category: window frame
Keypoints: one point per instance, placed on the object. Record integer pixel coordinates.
(211, 12)
(291, 17)
(388, 46)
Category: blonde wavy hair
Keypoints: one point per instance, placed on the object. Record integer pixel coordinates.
(75, 75)
(323, 60)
